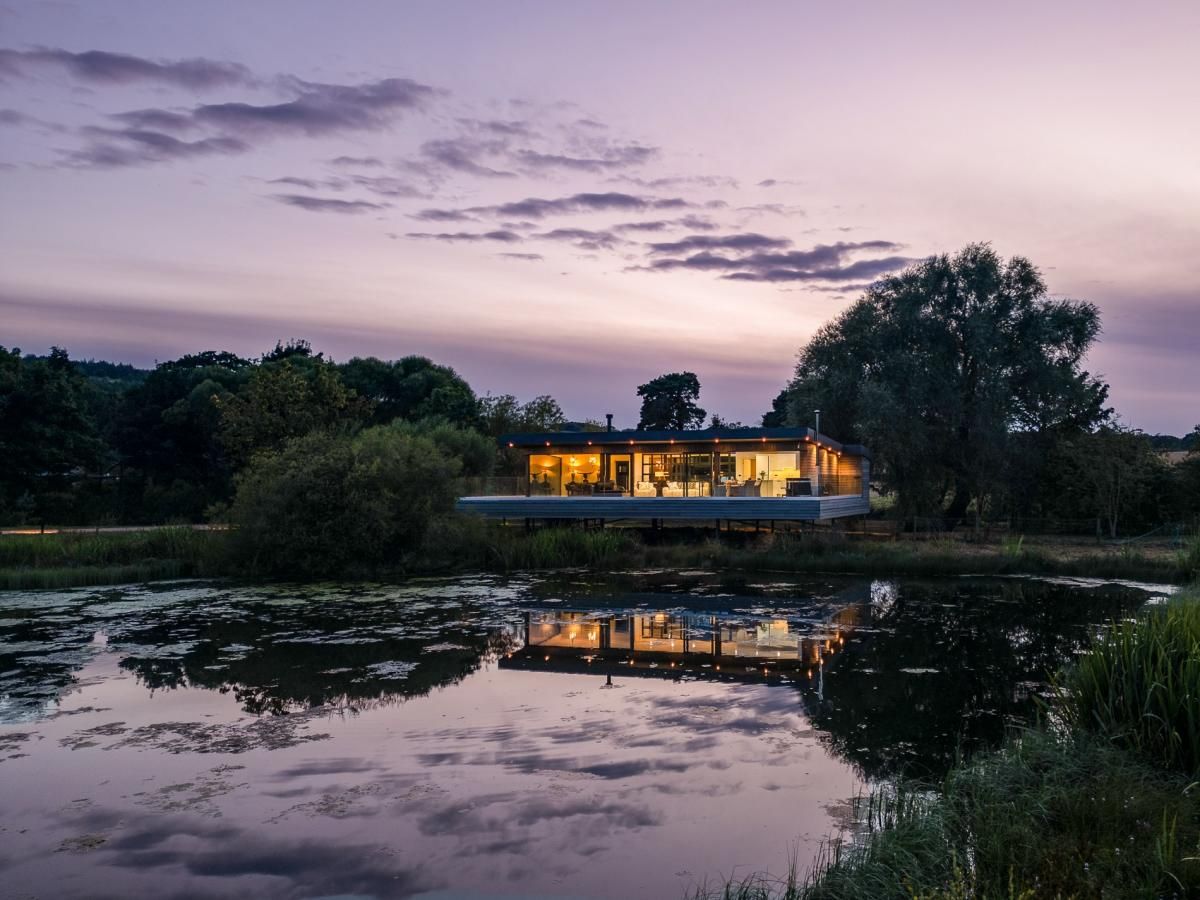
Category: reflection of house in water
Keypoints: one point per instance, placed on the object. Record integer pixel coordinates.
(665, 643)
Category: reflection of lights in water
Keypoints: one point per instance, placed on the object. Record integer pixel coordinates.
(884, 595)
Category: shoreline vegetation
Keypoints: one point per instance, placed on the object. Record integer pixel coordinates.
(1097, 799)
(458, 544)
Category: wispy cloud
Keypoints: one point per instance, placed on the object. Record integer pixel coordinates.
(821, 263)
(321, 109)
(327, 204)
(102, 67)
(740, 242)
(112, 148)
(611, 201)
(470, 237)
(582, 238)
(463, 154)
(362, 162)
(443, 215)
(615, 157)
(672, 182)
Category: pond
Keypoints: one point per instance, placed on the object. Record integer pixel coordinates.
(558, 736)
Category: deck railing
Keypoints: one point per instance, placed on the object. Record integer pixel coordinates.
(515, 486)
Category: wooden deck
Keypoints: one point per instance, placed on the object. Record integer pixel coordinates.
(743, 509)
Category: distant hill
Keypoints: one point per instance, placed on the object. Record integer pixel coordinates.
(104, 372)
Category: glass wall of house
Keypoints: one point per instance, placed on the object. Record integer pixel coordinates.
(689, 471)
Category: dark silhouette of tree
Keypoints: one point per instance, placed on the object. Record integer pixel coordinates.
(412, 388)
(778, 416)
(937, 368)
(46, 435)
(669, 401)
(166, 433)
(285, 399)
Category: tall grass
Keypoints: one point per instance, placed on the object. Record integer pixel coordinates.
(80, 559)
(1189, 559)
(1139, 686)
(1044, 817)
(463, 543)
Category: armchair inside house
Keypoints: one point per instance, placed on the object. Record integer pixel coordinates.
(644, 489)
(748, 488)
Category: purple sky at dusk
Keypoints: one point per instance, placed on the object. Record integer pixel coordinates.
(572, 198)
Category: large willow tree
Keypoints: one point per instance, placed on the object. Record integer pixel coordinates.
(957, 373)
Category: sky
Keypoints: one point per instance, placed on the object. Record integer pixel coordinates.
(572, 198)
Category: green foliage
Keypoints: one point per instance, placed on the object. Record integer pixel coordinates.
(778, 416)
(669, 401)
(166, 432)
(505, 414)
(412, 388)
(1109, 474)
(475, 451)
(1139, 687)
(285, 399)
(938, 367)
(326, 504)
(46, 434)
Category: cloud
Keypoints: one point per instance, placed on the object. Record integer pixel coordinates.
(157, 119)
(111, 148)
(778, 209)
(443, 215)
(824, 262)
(740, 242)
(612, 201)
(776, 182)
(690, 222)
(528, 257)
(614, 157)
(14, 118)
(582, 238)
(507, 237)
(863, 268)
(321, 109)
(306, 183)
(676, 181)
(510, 128)
(386, 186)
(366, 162)
(327, 204)
(463, 154)
(102, 67)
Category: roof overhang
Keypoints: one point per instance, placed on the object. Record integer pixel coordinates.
(736, 438)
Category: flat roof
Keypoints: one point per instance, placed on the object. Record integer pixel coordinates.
(530, 440)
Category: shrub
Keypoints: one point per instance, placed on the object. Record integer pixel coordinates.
(327, 504)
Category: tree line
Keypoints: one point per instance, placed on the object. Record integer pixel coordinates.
(102, 443)
(962, 375)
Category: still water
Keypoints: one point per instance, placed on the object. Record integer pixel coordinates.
(535, 736)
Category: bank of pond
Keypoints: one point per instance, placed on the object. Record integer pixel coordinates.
(461, 544)
(646, 732)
